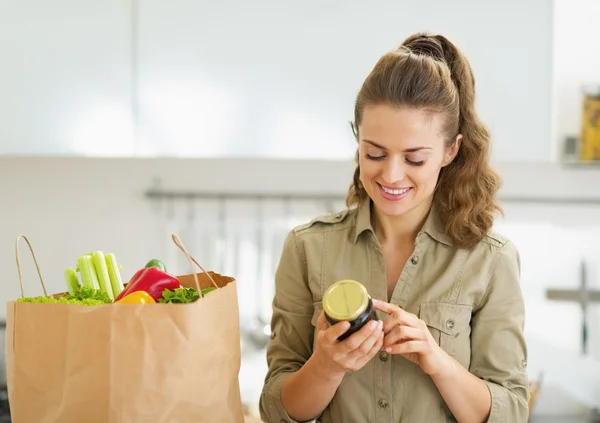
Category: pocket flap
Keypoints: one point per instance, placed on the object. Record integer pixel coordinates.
(450, 319)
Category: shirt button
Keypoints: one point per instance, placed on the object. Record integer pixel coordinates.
(414, 260)
(450, 323)
(383, 356)
(382, 403)
(524, 363)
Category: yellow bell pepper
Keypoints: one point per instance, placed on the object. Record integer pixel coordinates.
(137, 297)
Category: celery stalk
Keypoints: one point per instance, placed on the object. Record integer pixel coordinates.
(87, 271)
(114, 274)
(72, 280)
(102, 273)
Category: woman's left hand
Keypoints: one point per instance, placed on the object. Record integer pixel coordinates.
(407, 335)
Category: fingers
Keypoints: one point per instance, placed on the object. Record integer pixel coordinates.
(415, 346)
(402, 333)
(322, 323)
(364, 348)
(386, 307)
(355, 341)
(372, 352)
(334, 332)
(397, 316)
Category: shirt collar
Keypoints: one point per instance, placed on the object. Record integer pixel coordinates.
(432, 226)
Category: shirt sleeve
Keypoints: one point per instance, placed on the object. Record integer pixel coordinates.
(499, 351)
(292, 332)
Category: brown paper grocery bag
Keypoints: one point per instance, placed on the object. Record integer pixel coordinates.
(115, 363)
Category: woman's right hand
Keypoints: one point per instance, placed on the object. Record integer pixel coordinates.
(335, 358)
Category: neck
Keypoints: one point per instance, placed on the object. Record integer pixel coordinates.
(400, 229)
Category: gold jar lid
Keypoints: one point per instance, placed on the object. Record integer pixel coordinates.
(345, 300)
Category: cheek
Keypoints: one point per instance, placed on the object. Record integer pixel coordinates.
(368, 169)
(427, 175)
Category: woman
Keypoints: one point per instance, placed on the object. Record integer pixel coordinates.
(417, 234)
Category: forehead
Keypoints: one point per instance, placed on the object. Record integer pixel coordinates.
(395, 127)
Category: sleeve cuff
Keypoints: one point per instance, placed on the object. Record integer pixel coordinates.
(275, 413)
(499, 403)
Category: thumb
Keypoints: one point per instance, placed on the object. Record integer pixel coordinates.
(334, 332)
(322, 323)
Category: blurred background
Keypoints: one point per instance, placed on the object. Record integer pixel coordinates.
(123, 121)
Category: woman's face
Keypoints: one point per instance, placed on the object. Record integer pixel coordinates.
(401, 154)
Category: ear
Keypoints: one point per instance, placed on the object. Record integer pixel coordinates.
(452, 151)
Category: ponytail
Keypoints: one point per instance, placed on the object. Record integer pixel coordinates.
(467, 187)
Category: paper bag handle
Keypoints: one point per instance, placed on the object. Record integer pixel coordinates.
(193, 261)
(19, 265)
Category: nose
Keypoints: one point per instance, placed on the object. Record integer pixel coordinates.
(394, 171)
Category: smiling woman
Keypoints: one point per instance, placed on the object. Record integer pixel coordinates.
(447, 342)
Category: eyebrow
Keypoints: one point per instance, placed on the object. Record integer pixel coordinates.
(408, 150)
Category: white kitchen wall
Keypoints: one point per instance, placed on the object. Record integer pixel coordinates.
(70, 206)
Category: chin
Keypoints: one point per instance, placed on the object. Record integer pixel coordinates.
(393, 208)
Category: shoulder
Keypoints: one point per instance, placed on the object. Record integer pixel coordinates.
(501, 254)
(496, 243)
(327, 222)
(493, 252)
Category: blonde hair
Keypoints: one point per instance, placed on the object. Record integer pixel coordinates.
(429, 72)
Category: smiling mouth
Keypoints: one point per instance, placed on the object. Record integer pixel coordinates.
(394, 191)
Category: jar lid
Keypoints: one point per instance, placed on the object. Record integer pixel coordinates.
(345, 300)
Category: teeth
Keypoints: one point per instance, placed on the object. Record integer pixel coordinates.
(394, 191)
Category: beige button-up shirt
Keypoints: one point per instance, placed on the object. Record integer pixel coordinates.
(471, 301)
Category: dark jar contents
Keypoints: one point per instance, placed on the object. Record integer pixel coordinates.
(348, 300)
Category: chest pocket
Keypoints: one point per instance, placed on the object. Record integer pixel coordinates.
(450, 326)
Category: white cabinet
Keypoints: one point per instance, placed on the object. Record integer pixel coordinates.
(65, 78)
(254, 79)
(278, 79)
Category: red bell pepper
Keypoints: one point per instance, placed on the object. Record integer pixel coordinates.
(152, 280)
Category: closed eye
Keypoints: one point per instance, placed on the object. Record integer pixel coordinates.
(380, 158)
(419, 163)
(375, 158)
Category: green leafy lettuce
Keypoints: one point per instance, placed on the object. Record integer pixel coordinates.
(81, 296)
(182, 295)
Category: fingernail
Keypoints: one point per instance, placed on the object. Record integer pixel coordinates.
(380, 324)
(372, 324)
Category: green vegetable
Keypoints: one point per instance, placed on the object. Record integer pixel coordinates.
(84, 293)
(156, 263)
(88, 272)
(81, 296)
(182, 295)
(102, 273)
(72, 280)
(113, 273)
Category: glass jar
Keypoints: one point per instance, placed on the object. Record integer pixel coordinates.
(348, 300)
(590, 124)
